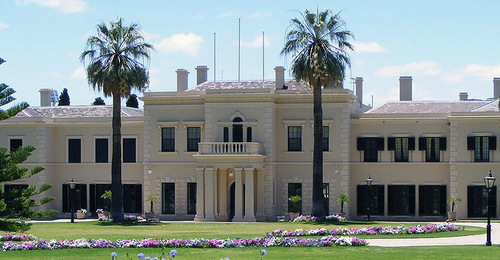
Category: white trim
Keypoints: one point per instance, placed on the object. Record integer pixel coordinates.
(432, 135)
(95, 137)
(66, 159)
(11, 137)
(162, 124)
(481, 134)
(287, 123)
(401, 135)
(370, 135)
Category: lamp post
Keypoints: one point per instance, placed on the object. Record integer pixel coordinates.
(489, 181)
(71, 195)
(369, 184)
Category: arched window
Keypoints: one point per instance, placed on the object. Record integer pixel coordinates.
(237, 130)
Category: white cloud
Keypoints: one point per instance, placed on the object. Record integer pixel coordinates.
(258, 15)
(51, 74)
(3, 26)
(63, 6)
(149, 37)
(256, 42)
(186, 43)
(368, 47)
(226, 14)
(410, 69)
(475, 70)
(79, 73)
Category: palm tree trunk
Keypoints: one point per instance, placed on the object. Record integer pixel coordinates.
(116, 163)
(318, 198)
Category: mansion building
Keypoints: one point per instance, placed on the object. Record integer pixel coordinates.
(242, 151)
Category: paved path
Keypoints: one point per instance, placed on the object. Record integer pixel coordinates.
(443, 241)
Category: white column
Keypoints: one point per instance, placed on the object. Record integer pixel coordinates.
(238, 194)
(249, 195)
(210, 195)
(222, 196)
(200, 195)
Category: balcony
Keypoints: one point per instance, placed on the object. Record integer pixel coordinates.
(229, 148)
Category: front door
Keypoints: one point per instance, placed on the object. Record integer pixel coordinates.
(232, 199)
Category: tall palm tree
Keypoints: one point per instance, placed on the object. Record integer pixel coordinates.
(318, 43)
(114, 68)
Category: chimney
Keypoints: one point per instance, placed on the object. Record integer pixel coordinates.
(463, 96)
(359, 90)
(201, 74)
(496, 87)
(45, 97)
(405, 88)
(182, 80)
(280, 77)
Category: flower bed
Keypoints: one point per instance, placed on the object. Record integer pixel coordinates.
(21, 237)
(394, 230)
(187, 243)
(309, 218)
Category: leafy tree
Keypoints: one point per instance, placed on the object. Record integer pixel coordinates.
(132, 101)
(6, 97)
(114, 68)
(318, 44)
(64, 98)
(98, 102)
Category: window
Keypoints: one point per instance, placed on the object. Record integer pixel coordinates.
(432, 147)
(15, 144)
(295, 197)
(370, 147)
(401, 199)
(193, 138)
(237, 130)
(168, 139)
(191, 198)
(249, 134)
(481, 145)
(13, 192)
(132, 198)
(129, 150)
(326, 135)
(401, 147)
(477, 201)
(226, 134)
(326, 197)
(432, 200)
(168, 198)
(373, 199)
(80, 197)
(96, 202)
(74, 150)
(294, 138)
(101, 150)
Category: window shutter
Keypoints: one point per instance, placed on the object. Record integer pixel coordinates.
(442, 198)
(380, 196)
(391, 141)
(442, 143)
(361, 193)
(421, 199)
(492, 142)
(422, 143)
(470, 142)
(411, 143)
(381, 144)
(361, 143)
(411, 196)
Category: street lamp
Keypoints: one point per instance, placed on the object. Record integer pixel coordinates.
(369, 184)
(489, 181)
(71, 195)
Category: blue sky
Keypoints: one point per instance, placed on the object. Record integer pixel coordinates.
(446, 46)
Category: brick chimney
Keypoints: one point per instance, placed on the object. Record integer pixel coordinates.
(182, 80)
(405, 88)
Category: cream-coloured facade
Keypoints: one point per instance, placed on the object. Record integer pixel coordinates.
(239, 150)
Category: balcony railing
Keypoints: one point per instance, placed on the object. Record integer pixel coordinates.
(226, 148)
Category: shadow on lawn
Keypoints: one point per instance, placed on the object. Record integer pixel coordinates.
(129, 223)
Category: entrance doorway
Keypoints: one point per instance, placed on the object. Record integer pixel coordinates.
(232, 201)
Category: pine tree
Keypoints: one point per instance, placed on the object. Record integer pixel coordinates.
(64, 98)
(132, 101)
(98, 102)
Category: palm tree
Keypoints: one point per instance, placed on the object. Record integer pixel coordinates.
(318, 44)
(114, 68)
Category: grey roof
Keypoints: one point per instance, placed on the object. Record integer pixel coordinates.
(291, 84)
(78, 112)
(435, 107)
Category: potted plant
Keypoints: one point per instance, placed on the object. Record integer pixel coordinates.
(453, 200)
(341, 200)
(150, 216)
(107, 201)
(80, 213)
(100, 213)
(294, 206)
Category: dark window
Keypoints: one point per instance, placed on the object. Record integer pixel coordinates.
(481, 145)
(326, 135)
(132, 198)
(15, 144)
(13, 192)
(129, 150)
(374, 199)
(477, 201)
(74, 150)
(401, 199)
(295, 197)
(432, 200)
(432, 147)
(191, 199)
(226, 134)
(401, 147)
(370, 147)
(249, 134)
(237, 130)
(101, 150)
(326, 197)
(193, 138)
(294, 138)
(96, 202)
(168, 198)
(168, 139)
(79, 201)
